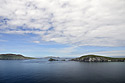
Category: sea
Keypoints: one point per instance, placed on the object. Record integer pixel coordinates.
(44, 71)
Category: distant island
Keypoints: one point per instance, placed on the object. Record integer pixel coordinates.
(97, 58)
(52, 59)
(13, 57)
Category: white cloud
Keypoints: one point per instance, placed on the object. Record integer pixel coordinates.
(36, 42)
(80, 22)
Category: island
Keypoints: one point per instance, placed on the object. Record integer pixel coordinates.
(51, 59)
(97, 58)
(13, 57)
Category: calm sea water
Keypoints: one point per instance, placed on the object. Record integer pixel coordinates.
(42, 71)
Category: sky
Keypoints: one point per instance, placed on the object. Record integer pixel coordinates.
(65, 28)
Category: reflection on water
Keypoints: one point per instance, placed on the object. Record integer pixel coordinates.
(43, 71)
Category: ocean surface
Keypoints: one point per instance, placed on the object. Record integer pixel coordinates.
(43, 71)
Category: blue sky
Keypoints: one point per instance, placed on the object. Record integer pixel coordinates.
(64, 28)
(23, 44)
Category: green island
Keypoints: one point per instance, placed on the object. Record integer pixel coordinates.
(97, 58)
(14, 57)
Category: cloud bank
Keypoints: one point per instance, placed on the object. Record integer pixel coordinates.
(80, 22)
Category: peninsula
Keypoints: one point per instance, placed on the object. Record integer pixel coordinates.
(13, 57)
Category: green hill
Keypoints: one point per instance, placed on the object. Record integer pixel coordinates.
(96, 58)
(13, 57)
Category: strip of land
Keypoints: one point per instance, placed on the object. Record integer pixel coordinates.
(86, 58)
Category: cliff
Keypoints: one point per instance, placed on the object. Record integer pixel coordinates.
(13, 57)
(96, 58)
